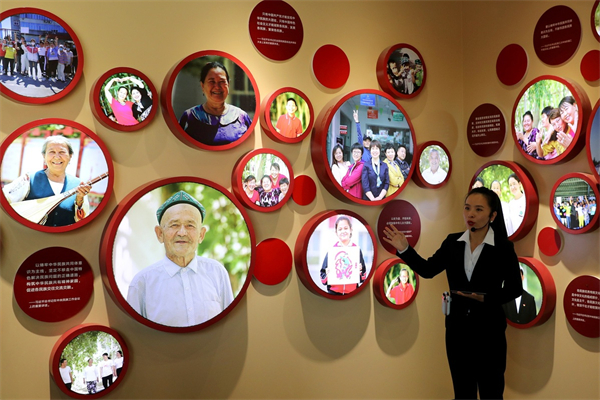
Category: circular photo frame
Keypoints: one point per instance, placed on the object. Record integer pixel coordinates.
(287, 116)
(538, 300)
(123, 99)
(53, 63)
(548, 120)
(395, 284)
(574, 202)
(89, 361)
(210, 101)
(340, 238)
(517, 192)
(595, 20)
(263, 180)
(435, 165)
(37, 158)
(401, 71)
(204, 243)
(593, 141)
(351, 175)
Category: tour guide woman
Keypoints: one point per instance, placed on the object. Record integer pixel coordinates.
(215, 122)
(483, 273)
(53, 180)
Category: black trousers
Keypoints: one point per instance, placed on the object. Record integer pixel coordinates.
(107, 381)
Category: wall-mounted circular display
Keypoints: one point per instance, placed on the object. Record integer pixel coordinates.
(210, 100)
(593, 141)
(435, 165)
(52, 60)
(517, 193)
(590, 66)
(395, 284)
(486, 130)
(548, 118)
(404, 217)
(273, 261)
(574, 200)
(263, 180)
(538, 300)
(511, 64)
(305, 190)
(362, 147)
(557, 35)
(53, 284)
(334, 254)
(401, 71)
(89, 361)
(56, 175)
(330, 66)
(580, 302)
(595, 20)
(550, 241)
(177, 254)
(276, 30)
(123, 99)
(287, 116)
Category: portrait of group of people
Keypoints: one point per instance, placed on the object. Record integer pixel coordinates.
(574, 203)
(266, 180)
(400, 283)
(126, 99)
(200, 260)
(507, 185)
(290, 115)
(405, 71)
(91, 362)
(546, 120)
(54, 175)
(37, 62)
(371, 148)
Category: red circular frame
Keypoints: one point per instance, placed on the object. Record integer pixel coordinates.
(237, 184)
(592, 20)
(65, 339)
(302, 246)
(99, 113)
(318, 148)
(265, 117)
(588, 138)
(378, 284)
(548, 290)
(172, 120)
(531, 196)
(593, 183)
(418, 178)
(107, 244)
(584, 107)
(382, 77)
(45, 100)
(109, 188)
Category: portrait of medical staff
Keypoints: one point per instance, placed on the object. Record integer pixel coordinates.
(181, 254)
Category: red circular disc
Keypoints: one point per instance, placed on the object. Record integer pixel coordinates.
(330, 66)
(273, 261)
(549, 241)
(486, 130)
(305, 190)
(511, 65)
(557, 35)
(590, 66)
(276, 30)
(54, 284)
(405, 217)
(580, 302)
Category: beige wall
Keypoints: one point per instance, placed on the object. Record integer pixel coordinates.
(283, 341)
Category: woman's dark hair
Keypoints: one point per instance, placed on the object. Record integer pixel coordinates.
(209, 66)
(567, 99)
(480, 180)
(284, 181)
(276, 166)
(389, 146)
(120, 352)
(493, 201)
(335, 148)
(343, 218)
(123, 87)
(104, 354)
(376, 143)
(290, 99)
(359, 147)
(249, 178)
(263, 178)
(546, 111)
(62, 360)
(526, 114)
(515, 177)
(142, 91)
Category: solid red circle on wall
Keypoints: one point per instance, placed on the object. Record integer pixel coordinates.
(549, 241)
(273, 261)
(330, 66)
(590, 66)
(511, 64)
(305, 190)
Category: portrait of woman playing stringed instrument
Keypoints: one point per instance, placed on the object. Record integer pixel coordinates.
(50, 196)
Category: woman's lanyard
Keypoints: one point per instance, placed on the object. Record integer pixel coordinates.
(376, 167)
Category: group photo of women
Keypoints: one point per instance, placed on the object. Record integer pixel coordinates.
(400, 283)
(91, 362)
(52, 160)
(574, 203)
(290, 114)
(373, 159)
(340, 254)
(214, 99)
(405, 71)
(507, 185)
(126, 99)
(546, 120)
(266, 180)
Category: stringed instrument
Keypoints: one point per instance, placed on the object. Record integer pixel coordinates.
(37, 210)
